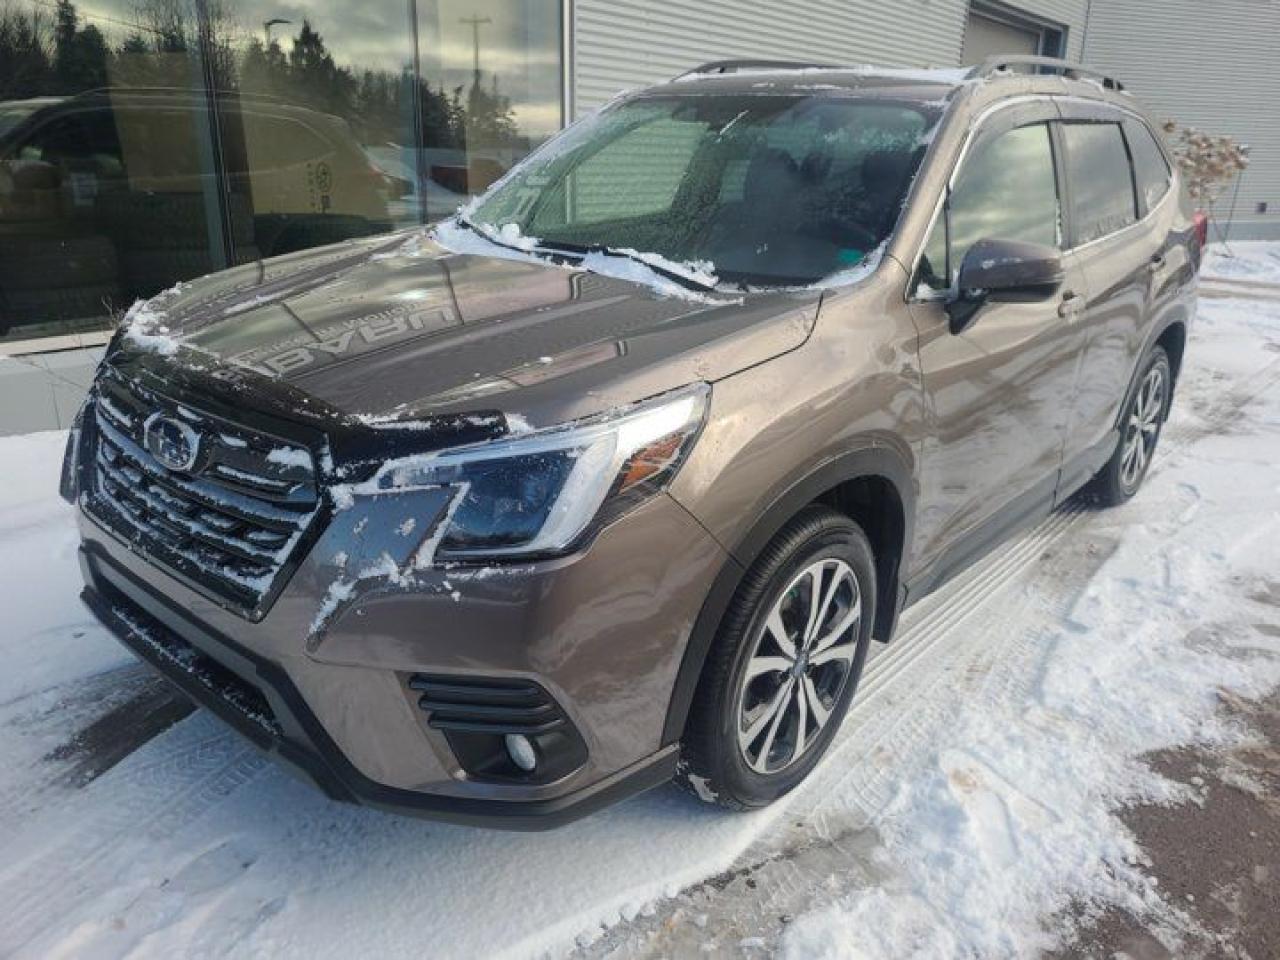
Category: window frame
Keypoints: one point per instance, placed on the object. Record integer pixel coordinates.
(1064, 106)
(1030, 109)
(1071, 227)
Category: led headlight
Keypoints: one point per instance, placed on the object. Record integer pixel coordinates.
(537, 493)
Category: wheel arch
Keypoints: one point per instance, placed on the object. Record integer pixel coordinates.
(1171, 336)
(874, 486)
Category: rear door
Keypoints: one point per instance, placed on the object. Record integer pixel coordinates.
(999, 393)
(1120, 252)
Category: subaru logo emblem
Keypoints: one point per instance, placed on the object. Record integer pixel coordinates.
(172, 442)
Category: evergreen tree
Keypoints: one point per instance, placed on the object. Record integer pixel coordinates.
(26, 61)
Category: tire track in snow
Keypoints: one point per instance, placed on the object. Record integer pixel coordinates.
(144, 800)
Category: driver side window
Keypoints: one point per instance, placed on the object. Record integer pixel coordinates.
(1006, 190)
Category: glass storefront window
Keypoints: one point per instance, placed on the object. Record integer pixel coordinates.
(106, 185)
(143, 142)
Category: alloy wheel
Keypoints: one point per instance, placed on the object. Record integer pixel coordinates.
(801, 659)
(1142, 428)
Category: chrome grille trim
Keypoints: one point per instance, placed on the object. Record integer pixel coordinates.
(231, 527)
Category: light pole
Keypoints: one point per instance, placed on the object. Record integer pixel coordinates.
(268, 24)
(475, 23)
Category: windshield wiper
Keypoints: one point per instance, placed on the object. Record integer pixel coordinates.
(582, 250)
(562, 249)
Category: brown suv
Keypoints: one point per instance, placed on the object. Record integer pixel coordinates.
(616, 476)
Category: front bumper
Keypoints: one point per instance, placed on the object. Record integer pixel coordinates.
(257, 697)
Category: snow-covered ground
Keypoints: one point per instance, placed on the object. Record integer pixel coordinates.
(966, 806)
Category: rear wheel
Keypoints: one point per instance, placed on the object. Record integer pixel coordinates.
(784, 664)
(1139, 433)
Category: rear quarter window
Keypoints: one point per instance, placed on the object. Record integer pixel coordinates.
(1150, 168)
(1100, 179)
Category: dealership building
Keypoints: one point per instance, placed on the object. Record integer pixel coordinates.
(145, 143)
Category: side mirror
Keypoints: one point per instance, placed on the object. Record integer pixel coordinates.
(1003, 271)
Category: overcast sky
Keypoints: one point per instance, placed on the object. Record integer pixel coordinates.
(520, 43)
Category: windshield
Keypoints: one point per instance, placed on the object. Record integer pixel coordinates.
(767, 189)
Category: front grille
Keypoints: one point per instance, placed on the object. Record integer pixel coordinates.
(476, 705)
(230, 524)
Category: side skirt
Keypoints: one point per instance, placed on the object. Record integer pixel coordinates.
(1018, 514)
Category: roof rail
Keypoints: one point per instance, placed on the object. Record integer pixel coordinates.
(1068, 68)
(733, 66)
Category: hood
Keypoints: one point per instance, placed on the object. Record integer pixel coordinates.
(398, 329)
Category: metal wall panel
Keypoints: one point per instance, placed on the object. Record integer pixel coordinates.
(620, 44)
(1214, 66)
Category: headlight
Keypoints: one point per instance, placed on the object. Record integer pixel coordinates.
(538, 493)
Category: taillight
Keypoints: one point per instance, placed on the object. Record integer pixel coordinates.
(1200, 222)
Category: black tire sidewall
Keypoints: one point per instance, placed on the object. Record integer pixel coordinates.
(834, 537)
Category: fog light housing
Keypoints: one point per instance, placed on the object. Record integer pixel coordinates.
(501, 729)
(521, 751)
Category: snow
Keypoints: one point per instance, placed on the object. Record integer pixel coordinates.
(1255, 262)
(289, 457)
(983, 760)
(851, 275)
(144, 326)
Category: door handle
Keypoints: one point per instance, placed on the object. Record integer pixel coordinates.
(1071, 305)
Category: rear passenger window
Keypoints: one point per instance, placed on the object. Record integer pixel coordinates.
(1100, 179)
(1150, 167)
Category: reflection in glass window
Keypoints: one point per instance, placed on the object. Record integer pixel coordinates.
(128, 161)
(317, 127)
(107, 186)
(492, 91)
(1006, 190)
(1102, 198)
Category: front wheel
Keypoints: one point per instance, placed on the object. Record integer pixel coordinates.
(784, 665)
(1139, 433)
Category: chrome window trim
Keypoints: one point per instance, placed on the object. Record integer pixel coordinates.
(970, 134)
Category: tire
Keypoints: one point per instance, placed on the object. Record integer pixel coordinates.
(723, 760)
(1144, 416)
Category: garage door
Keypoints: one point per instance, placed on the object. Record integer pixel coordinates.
(986, 37)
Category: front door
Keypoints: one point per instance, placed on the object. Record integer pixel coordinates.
(998, 394)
